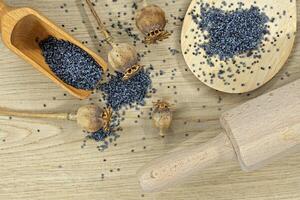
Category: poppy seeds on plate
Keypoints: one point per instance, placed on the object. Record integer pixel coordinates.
(231, 33)
(71, 64)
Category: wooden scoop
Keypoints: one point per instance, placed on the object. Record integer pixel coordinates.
(23, 28)
(255, 133)
(251, 74)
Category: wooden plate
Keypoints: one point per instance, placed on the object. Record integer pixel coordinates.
(244, 73)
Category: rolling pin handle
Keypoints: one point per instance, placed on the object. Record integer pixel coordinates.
(173, 167)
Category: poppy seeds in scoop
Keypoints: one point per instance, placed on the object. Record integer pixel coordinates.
(71, 64)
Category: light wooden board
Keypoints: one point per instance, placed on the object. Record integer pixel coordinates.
(43, 159)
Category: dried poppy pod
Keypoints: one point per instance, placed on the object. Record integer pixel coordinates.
(92, 118)
(124, 59)
(162, 116)
(151, 21)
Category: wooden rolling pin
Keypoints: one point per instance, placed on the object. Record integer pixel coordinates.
(255, 133)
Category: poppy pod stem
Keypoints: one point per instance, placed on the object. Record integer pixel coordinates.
(109, 39)
(123, 57)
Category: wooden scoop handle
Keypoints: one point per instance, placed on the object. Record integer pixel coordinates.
(175, 166)
(62, 116)
(3, 10)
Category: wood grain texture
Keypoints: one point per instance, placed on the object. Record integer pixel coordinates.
(175, 167)
(251, 73)
(42, 159)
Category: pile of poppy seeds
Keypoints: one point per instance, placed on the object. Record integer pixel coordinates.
(71, 64)
(119, 93)
(230, 33)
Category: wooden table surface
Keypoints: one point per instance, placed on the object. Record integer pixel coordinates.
(43, 159)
